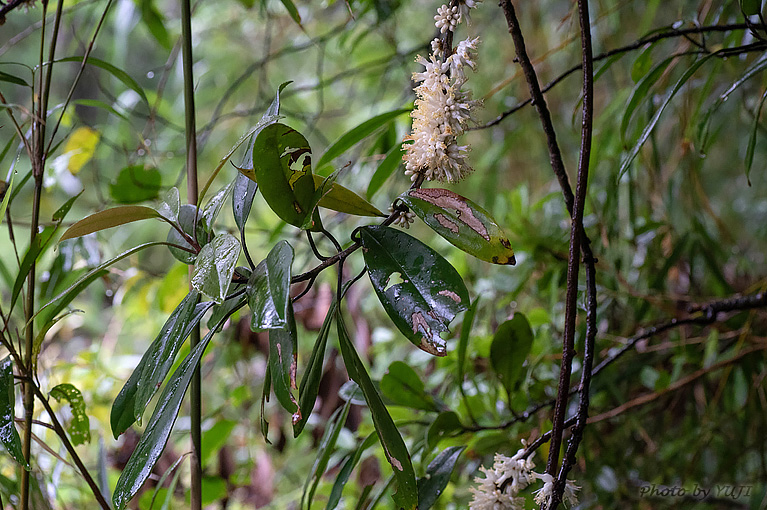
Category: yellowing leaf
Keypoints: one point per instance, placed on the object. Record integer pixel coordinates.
(80, 147)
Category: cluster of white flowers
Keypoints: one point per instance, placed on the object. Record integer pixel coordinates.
(442, 110)
(500, 488)
(404, 219)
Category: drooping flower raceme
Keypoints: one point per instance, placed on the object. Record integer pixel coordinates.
(442, 110)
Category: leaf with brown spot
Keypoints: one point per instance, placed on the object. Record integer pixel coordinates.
(462, 222)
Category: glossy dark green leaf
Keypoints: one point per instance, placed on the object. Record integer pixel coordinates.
(136, 183)
(242, 200)
(215, 265)
(121, 75)
(109, 218)
(170, 207)
(186, 222)
(310, 382)
(402, 386)
(282, 165)
(283, 358)
(152, 442)
(385, 170)
(462, 222)
(9, 78)
(268, 289)
(431, 486)
(62, 211)
(79, 425)
(354, 136)
(420, 291)
(346, 471)
(341, 199)
(9, 436)
(267, 390)
(237, 300)
(34, 252)
(394, 447)
(444, 425)
(511, 345)
(213, 207)
(324, 451)
(156, 362)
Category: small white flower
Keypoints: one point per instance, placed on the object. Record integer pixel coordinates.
(488, 496)
(404, 219)
(465, 5)
(543, 495)
(447, 18)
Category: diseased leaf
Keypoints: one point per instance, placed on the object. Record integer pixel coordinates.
(353, 136)
(9, 436)
(268, 289)
(511, 345)
(394, 447)
(79, 426)
(282, 164)
(431, 486)
(109, 218)
(462, 222)
(136, 183)
(401, 385)
(215, 265)
(420, 291)
(283, 362)
(341, 199)
(153, 441)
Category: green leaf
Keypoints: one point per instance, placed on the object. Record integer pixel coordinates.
(291, 7)
(282, 360)
(752, 138)
(640, 92)
(215, 265)
(751, 7)
(187, 214)
(136, 183)
(213, 207)
(13, 79)
(394, 447)
(462, 222)
(354, 136)
(62, 211)
(420, 291)
(79, 426)
(267, 390)
(431, 486)
(654, 121)
(214, 439)
(511, 345)
(114, 71)
(7, 192)
(341, 199)
(242, 200)
(402, 386)
(444, 425)
(324, 450)
(109, 218)
(9, 436)
(156, 362)
(152, 442)
(268, 289)
(282, 164)
(642, 64)
(346, 471)
(95, 103)
(170, 207)
(155, 23)
(310, 382)
(34, 252)
(385, 170)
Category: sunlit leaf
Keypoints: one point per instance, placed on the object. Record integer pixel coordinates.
(341, 199)
(394, 447)
(136, 183)
(80, 147)
(215, 265)
(282, 164)
(109, 218)
(511, 345)
(268, 289)
(420, 291)
(9, 436)
(462, 222)
(79, 425)
(431, 486)
(401, 385)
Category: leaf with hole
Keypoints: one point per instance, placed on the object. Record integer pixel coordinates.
(420, 291)
(462, 222)
(79, 425)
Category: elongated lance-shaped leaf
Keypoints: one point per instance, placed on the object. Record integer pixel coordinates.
(431, 486)
(394, 447)
(118, 73)
(420, 291)
(283, 361)
(385, 170)
(282, 163)
(79, 426)
(268, 289)
(156, 362)
(640, 92)
(152, 443)
(353, 136)
(7, 193)
(183, 249)
(109, 218)
(215, 265)
(9, 436)
(265, 392)
(341, 199)
(511, 345)
(462, 222)
(213, 207)
(346, 471)
(34, 252)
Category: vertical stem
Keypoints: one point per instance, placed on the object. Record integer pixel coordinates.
(192, 191)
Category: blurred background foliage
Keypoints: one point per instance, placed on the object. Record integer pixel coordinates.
(685, 224)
